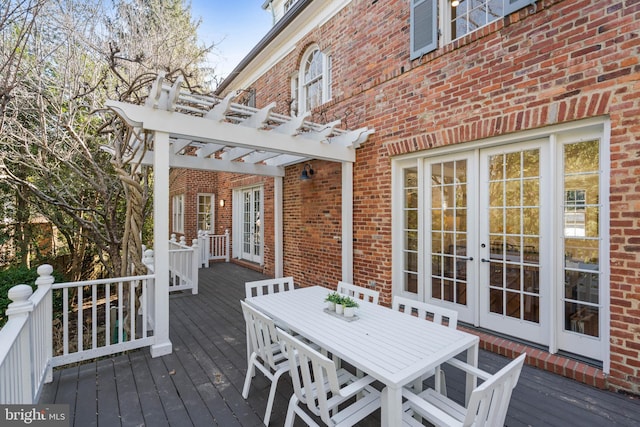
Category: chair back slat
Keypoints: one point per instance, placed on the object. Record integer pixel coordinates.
(423, 310)
(268, 286)
(313, 375)
(358, 292)
(262, 334)
(489, 401)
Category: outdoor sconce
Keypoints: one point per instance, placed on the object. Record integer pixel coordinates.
(455, 3)
(307, 172)
(221, 203)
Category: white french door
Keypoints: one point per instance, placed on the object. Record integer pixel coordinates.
(451, 208)
(485, 235)
(511, 236)
(247, 224)
(515, 240)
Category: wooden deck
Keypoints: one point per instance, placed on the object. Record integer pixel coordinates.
(200, 383)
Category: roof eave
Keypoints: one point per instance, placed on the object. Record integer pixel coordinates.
(288, 17)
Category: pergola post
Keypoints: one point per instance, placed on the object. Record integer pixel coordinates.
(347, 222)
(162, 343)
(278, 229)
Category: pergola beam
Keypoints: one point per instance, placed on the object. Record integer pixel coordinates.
(210, 131)
(216, 165)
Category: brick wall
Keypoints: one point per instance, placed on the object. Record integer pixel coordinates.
(557, 62)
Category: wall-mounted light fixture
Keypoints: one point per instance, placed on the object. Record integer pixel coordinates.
(307, 172)
(221, 203)
(455, 3)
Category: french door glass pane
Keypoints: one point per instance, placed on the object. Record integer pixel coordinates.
(410, 230)
(204, 212)
(581, 214)
(257, 243)
(246, 226)
(514, 232)
(449, 231)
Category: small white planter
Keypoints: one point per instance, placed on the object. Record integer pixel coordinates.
(339, 308)
(349, 311)
(331, 306)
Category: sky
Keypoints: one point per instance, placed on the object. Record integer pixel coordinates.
(234, 26)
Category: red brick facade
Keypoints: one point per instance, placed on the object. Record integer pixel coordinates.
(555, 62)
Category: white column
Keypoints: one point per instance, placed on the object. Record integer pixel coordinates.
(162, 344)
(347, 222)
(278, 228)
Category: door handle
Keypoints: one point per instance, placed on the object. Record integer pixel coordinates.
(465, 258)
(485, 260)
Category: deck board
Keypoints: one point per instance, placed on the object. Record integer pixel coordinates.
(200, 383)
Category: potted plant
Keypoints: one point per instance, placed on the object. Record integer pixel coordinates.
(349, 307)
(339, 300)
(332, 300)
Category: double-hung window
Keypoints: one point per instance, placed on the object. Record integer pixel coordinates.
(431, 18)
(205, 212)
(311, 87)
(177, 203)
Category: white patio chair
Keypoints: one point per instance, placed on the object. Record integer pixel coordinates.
(268, 286)
(488, 403)
(358, 292)
(267, 354)
(434, 313)
(321, 387)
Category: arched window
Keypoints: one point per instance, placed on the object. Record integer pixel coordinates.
(313, 84)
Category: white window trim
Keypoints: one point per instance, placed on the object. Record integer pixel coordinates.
(301, 99)
(444, 20)
(177, 203)
(212, 220)
(443, 34)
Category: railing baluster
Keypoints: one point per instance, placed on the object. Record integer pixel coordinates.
(80, 325)
(143, 303)
(132, 309)
(94, 317)
(119, 320)
(107, 315)
(65, 320)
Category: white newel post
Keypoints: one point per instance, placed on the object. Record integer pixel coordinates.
(227, 244)
(162, 343)
(203, 236)
(21, 307)
(44, 281)
(195, 265)
(151, 289)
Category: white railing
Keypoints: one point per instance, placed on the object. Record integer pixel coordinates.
(107, 317)
(26, 342)
(91, 320)
(213, 246)
(184, 262)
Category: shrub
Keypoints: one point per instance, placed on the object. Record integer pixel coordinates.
(17, 275)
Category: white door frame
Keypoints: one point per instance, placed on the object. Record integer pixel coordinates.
(598, 127)
(527, 330)
(466, 313)
(238, 222)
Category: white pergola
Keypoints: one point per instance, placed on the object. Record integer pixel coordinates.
(207, 133)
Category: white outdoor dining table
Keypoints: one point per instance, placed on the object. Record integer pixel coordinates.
(390, 346)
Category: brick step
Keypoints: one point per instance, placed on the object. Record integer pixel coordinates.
(561, 365)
